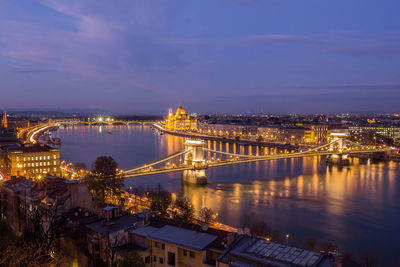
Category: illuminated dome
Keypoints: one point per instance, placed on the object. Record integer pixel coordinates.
(180, 111)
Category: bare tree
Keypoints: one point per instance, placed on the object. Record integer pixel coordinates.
(43, 224)
(206, 215)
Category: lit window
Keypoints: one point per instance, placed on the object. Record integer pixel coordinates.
(44, 163)
(40, 157)
(48, 163)
(54, 156)
(55, 162)
(48, 157)
(17, 158)
(55, 169)
(37, 164)
(37, 158)
(40, 163)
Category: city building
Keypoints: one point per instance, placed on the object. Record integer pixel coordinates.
(159, 241)
(316, 134)
(250, 251)
(30, 160)
(110, 234)
(180, 121)
(19, 197)
(7, 133)
(390, 132)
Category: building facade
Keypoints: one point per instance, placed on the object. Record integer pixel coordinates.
(180, 121)
(32, 161)
(19, 197)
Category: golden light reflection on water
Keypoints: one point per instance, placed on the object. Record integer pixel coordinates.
(303, 195)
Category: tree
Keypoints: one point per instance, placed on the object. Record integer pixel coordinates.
(160, 200)
(185, 209)
(257, 226)
(80, 166)
(104, 181)
(26, 251)
(206, 215)
(43, 224)
(132, 259)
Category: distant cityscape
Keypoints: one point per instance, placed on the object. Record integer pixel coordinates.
(120, 227)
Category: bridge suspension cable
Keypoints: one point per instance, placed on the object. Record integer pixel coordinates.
(158, 161)
(227, 153)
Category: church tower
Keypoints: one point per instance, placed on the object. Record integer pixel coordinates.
(4, 123)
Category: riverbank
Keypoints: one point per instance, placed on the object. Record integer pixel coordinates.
(228, 140)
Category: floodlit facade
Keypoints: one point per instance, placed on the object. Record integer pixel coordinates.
(32, 161)
(180, 121)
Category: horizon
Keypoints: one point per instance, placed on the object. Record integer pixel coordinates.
(215, 57)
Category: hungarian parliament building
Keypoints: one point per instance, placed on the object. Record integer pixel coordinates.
(180, 121)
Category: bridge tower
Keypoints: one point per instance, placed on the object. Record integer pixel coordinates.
(338, 146)
(195, 159)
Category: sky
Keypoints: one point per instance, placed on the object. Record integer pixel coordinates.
(211, 56)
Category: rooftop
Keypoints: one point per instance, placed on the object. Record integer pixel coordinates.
(185, 238)
(259, 252)
(105, 227)
(219, 243)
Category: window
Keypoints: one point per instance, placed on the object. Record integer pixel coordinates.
(171, 258)
(37, 164)
(36, 158)
(156, 245)
(48, 157)
(154, 259)
(40, 157)
(55, 163)
(54, 156)
(17, 158)
(161, 260)
(184, 252)
(163, 246)
(191, 253)
(147, 259)
(55, 169)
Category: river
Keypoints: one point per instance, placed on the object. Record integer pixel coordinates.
(356, 207)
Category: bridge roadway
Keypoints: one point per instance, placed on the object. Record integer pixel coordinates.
(248, 159)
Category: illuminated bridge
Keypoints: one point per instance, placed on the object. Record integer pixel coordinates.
(195, 158)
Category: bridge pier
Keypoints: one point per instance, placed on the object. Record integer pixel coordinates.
(338, 159)
(195, 176)
(195, 158)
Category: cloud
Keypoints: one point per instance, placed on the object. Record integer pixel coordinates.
(32, 71)
(283, 38)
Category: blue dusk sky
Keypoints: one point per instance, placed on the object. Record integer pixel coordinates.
(144, 56)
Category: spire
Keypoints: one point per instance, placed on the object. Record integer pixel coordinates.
(5, 124)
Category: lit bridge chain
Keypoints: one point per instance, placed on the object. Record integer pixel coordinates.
(196, 158)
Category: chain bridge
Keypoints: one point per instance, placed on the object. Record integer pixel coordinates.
(195, 158)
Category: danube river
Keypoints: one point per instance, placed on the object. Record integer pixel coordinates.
(356, 207)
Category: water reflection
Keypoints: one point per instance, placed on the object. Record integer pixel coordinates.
(356, 207)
